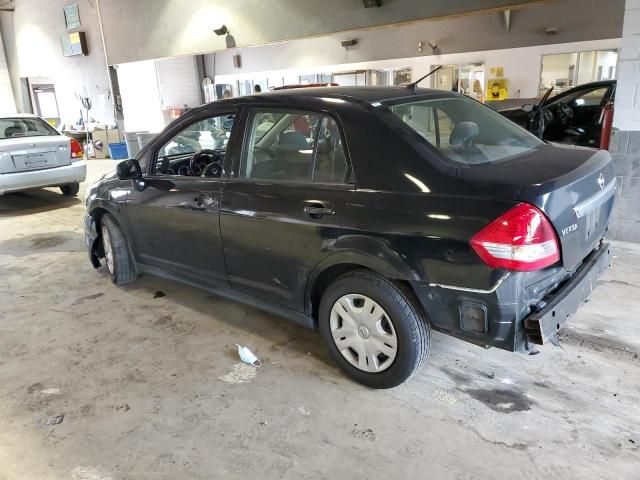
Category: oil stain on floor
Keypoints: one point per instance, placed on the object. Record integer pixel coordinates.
(501, 399)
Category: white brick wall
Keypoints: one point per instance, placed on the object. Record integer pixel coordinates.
(627, 109)
(625, 147)
(631, 18)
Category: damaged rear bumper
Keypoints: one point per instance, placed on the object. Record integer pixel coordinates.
(519, 311)
(543, 325)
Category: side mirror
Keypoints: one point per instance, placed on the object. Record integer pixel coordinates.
(129, 170)
(527, 107)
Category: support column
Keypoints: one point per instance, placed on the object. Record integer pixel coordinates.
(625, 146)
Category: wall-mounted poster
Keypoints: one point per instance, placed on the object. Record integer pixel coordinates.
(74, 43)
(72, 16)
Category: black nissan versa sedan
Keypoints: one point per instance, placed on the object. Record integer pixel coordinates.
(372, 214)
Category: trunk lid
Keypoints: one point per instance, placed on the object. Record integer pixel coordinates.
(21, 154)
(573, 186)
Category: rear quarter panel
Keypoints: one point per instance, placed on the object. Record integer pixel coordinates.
(419, 237)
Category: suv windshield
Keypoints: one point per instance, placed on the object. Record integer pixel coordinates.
(465, 131)
(25, 127)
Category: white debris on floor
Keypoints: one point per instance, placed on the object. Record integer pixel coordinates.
(241, 373)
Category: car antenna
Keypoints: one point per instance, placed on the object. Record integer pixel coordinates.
(414, 85)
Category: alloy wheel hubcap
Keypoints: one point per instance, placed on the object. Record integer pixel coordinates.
(108, 251)
(363, 333)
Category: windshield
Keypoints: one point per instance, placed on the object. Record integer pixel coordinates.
(25, 127)
(465, 131)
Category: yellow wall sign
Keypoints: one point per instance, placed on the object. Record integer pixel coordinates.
(497, 89)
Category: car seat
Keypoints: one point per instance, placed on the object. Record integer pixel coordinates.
(11, 131)
(295, 155)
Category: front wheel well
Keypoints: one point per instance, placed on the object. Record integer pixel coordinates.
(330, 274)
(97, 214)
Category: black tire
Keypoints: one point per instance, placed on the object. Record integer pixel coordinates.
(122, 269)
(70, 189)
(411, 328)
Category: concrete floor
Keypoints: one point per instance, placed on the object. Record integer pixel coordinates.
(152, 388)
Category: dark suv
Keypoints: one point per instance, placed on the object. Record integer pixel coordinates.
(372, 214)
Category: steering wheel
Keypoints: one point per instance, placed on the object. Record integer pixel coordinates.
(565, 113)
(202, 159)
(214, 169)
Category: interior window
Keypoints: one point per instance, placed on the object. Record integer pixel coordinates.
(293, 146)
(198, 150)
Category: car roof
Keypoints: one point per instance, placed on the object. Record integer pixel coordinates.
(18, 115)
(601, 83)
(363, 94)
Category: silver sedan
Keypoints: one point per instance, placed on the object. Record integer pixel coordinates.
(33, 154)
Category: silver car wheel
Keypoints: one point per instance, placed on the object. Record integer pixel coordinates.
(363, 333)
(108, 250)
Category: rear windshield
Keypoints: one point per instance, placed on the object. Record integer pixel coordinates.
(465, 131)
(25, 127)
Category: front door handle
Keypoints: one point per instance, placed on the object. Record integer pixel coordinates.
(318, 210)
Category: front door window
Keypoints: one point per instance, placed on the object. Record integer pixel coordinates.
(194, 150)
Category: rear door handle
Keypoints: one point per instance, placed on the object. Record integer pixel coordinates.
(316, 210)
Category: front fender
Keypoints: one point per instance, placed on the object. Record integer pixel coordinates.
(98, 204)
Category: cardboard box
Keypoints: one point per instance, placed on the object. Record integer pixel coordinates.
(103, 137)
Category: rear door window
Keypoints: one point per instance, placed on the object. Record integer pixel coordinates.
(293, 146)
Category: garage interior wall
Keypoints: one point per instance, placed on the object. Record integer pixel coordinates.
(521, 65)
(38, 27)
(178, 82)
(150, 89)
(626, 121)
(482, 32)
(152, 29)
(140, 96)
(7, 100)
(147, 29)
(11, 57)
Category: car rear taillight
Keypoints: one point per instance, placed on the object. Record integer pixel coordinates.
(522, 239)
(76, 149)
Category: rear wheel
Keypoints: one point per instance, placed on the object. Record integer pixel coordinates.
(374, 331)
(70, 189)
(116, 252)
